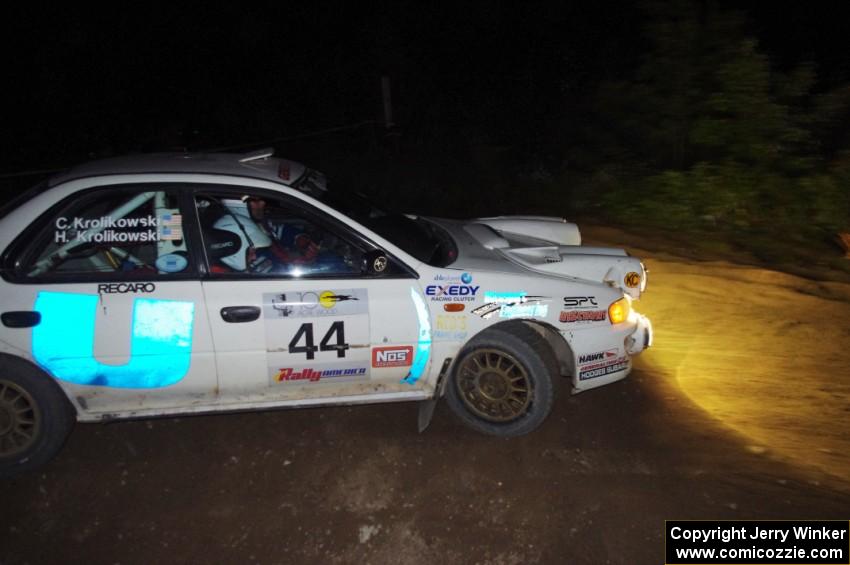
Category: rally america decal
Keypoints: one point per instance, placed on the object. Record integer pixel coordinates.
(305, 375)
(316, 304)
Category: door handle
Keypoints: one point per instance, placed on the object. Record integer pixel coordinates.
(21, 319)
(237, 314)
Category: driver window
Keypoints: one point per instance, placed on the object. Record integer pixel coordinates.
(133, 235)
(261, 235)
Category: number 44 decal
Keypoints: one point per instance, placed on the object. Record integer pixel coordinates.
(309, 347)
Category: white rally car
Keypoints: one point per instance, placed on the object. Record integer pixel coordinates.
(170, 284)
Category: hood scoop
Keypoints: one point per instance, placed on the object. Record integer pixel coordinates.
(486, 236)
(613, 267)
(534, 230)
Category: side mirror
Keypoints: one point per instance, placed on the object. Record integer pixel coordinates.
(375, 262)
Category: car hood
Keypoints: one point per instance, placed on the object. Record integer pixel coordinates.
(546, 245)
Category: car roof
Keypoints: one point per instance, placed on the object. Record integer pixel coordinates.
(257, 164)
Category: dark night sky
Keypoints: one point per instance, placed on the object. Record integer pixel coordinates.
(83, 82)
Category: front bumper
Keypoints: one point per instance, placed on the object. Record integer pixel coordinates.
(641, 338)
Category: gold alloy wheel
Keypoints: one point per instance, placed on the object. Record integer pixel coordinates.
(20, 419)
(494, 385)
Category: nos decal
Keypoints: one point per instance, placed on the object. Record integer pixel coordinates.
(160, 343)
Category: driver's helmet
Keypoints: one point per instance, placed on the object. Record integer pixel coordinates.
(237, 220)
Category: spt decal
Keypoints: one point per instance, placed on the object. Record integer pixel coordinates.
(160, 343)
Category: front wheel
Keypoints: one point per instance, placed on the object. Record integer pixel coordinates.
(503, 383)
(35, 418)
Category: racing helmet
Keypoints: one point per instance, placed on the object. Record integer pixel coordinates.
(237, 220)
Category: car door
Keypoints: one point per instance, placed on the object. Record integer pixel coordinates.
(295, 315)
(120, 322)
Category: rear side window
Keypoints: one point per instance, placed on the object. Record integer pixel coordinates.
(109, 234)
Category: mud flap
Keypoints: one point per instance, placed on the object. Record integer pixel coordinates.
(426, 412)
(426, 407)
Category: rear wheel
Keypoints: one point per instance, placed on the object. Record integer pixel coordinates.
(35, 418)
(503, 383)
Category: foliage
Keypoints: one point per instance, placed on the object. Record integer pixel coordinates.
(730, 143)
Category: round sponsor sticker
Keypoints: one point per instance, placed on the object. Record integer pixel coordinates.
(328, 299)
(171, 263)
(632, 279)
(466, 278)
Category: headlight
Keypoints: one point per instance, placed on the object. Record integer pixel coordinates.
(619, 311)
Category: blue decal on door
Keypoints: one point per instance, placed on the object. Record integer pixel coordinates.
(423, 348)
(160, 343)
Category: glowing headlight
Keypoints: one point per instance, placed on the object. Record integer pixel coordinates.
(618, 312)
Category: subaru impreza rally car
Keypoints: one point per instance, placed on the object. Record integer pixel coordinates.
(171, 284)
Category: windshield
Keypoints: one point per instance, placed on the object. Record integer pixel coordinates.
(423, 240)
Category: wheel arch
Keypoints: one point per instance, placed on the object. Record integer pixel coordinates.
(557, 343)
(9, 362)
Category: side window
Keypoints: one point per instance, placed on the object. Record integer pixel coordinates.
(113, 232)
(262, 235)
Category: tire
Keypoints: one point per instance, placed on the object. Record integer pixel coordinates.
(35, 417)
(503, 382)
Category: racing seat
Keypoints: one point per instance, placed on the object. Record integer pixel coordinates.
(217, 243)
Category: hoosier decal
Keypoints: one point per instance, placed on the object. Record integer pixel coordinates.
(621, 365)
(608, 363)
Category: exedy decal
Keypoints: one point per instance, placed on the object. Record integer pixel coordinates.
(453, 292)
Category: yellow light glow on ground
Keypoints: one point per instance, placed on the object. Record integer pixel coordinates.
(768, 354)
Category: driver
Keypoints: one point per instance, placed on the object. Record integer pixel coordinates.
(264, 247)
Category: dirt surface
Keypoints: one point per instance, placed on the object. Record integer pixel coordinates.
(740, 411)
